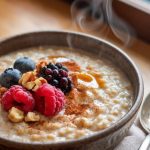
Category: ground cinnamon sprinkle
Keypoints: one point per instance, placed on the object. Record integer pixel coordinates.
(36, 125)
(73, 108)
(71, 65)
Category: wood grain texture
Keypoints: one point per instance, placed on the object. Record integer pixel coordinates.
(21, 16)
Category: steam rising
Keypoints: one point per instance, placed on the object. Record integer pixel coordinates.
(92, 14)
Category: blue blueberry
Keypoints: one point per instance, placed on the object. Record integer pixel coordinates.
(10, 77)
(24, 64)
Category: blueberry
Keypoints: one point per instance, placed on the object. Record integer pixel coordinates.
(24, 64)
(10, 77)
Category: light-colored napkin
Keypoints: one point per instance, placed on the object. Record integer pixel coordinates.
(133, 140)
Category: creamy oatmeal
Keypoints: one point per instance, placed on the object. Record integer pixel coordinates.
(101, 96)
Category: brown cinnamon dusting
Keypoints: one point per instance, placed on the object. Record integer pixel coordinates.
(73, 108)
(71, 65)
(36, 125)
(73, 105)
(59, 56)
(76, 94)
(74, 79)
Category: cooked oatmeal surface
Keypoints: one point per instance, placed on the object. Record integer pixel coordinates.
(93, 105)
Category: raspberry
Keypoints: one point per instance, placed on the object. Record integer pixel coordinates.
(18, 97)
(49, 100)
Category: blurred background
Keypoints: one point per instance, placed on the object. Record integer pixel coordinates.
(126, 23)
(129, 16)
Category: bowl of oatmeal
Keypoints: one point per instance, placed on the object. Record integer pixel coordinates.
(62, 90)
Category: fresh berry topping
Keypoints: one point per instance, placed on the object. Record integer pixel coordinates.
(48, 72)
(49, 78)
(10, 77)
(18, 97)
(64, 82)
(57, 75)
(55, 82)
(43, 69)
(24, 64)
(64, 68)
(63, 73)
(49, 100)
(52, 66)
(59, 65)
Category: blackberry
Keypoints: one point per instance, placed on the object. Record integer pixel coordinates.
(57, 75)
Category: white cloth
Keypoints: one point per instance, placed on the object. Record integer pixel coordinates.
(133, 140)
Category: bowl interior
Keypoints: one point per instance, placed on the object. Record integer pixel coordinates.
(93, 45)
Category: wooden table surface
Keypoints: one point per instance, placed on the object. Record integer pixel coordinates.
(20, 16)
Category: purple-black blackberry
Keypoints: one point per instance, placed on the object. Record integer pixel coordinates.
(57, 75)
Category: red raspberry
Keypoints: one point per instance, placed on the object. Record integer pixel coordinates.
(18, 97)
(49, 100)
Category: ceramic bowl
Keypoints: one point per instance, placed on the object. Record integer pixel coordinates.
(102, 140)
